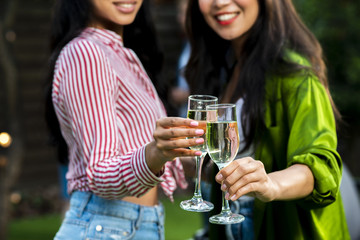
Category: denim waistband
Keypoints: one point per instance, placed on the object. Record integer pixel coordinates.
(87, 201)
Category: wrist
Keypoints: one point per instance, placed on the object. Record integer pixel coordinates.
(275, 188)
(153, 159)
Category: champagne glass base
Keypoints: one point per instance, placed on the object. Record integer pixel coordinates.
(196, 205)
(226, 218)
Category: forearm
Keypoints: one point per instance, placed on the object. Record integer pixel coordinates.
(120, 176)
(294, 182)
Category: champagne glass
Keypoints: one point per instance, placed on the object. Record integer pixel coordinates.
(197, 111)
(222, 138)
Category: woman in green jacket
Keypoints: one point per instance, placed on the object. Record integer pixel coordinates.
(259, 55)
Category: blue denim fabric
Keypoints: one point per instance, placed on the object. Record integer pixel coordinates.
(92, 217)
(206, 195)
(245, 229)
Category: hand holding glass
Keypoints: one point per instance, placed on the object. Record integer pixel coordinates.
(222, 138)
(197, 111)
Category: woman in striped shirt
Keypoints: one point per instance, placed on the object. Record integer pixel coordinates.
(120, 144)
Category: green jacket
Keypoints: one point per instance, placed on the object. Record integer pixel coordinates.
(300, 128)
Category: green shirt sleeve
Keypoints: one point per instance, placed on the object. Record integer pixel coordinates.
(312, 136)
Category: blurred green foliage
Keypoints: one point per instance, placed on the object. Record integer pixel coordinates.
(336, 24)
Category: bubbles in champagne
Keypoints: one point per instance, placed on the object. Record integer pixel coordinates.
(222, 141)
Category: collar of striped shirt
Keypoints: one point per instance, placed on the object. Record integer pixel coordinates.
(106, 36)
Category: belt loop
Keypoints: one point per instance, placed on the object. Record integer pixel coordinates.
(160, 214)
(138, 221)
(84, 202)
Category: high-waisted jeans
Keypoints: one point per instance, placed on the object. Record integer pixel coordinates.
(93, 217)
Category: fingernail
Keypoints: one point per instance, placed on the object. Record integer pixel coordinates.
(194, 124)
(223, 187)
(219, 177)
(233, 198)
(199, 131)
(199, 140)
(227, 196)
(198, 153)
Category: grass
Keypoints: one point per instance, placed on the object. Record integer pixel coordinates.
(38, 228)
(179, 224)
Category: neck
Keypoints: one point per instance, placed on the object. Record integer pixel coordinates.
(119, 29)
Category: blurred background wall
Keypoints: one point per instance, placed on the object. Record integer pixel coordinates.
(28, 167)
(25, 33)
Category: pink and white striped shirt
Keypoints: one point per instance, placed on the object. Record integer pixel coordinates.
(107, 109)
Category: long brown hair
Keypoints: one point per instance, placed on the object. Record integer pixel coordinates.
(277, 29)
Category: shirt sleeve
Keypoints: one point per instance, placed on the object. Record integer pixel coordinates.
(89, 97)
(312, 137)
(173, 177)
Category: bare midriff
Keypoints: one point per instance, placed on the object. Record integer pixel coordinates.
(148, 199)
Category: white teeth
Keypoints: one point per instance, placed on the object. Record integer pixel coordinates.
(126, 5)
(225, 17)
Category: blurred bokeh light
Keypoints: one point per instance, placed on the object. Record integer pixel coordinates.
(5, 140)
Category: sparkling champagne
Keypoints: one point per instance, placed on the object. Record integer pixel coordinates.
(222, 141)
(199, 115)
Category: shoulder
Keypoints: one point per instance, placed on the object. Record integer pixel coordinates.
(83, 51)
(83, 60)
(297, 82)
(294, 57)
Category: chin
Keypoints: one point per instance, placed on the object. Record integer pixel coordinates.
(228, 37)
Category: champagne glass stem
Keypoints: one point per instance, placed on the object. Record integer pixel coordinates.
(197, 203)
(226, 216)
(225, 204)
(225, 208)
(198, 163)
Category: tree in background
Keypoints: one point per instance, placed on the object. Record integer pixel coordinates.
(337, 26)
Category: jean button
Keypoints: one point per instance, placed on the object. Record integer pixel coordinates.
(98, 228)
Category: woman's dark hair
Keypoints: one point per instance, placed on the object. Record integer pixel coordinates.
(278, 28)
(70, 18)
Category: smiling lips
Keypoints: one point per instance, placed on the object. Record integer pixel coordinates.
(226, 18)
(125, 6)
